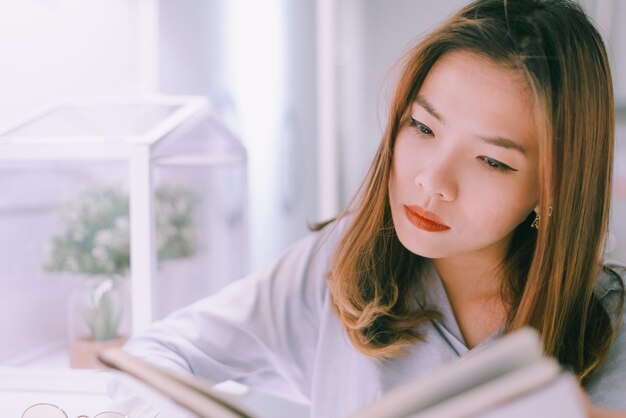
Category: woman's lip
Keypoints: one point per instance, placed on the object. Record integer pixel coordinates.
(423, 219)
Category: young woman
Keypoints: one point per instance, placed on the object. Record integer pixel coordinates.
(485, 209)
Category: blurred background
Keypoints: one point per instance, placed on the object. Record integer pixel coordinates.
(302, 84)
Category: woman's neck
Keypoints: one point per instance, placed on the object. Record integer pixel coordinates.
(469, 279)
(473, 288)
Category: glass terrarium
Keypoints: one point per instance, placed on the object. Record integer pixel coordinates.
(113, 214)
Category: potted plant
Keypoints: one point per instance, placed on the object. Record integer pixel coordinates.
(95, 247)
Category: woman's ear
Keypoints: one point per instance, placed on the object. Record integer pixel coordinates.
(537, 206)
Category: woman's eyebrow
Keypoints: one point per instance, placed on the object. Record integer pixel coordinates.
(503, 142)
(495, 140)
(421, 100)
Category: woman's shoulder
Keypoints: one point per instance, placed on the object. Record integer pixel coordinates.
(607, 385)
(311, 256)
(610, 285)
(323, 241)
(612, 276)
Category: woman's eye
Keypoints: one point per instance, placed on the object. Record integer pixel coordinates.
(495, 164)
(423, 129)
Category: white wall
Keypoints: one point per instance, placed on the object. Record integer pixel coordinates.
(54, 49)
(609, 16)
(256, 62)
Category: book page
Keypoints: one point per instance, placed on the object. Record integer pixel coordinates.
(559, 399)
(509, 353)
(192, 393)
(499, 391)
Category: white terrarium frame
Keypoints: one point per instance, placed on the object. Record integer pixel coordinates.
(137, 151)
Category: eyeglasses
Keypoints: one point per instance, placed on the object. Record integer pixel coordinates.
(48, 410)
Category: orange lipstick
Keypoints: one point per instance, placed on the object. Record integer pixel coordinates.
(422, 219)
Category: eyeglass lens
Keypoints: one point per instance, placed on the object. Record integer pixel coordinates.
(44, 410)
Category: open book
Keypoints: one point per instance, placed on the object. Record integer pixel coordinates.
(509, 378)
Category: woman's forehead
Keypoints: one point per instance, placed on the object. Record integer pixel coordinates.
(468, 91)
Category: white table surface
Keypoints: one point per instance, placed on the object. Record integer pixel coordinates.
(84, 392)
(75, 391)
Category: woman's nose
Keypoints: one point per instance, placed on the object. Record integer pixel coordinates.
(437, 180)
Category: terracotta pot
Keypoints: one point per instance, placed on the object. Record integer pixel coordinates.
(83, 352)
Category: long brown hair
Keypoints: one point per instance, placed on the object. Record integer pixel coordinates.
(549, 274)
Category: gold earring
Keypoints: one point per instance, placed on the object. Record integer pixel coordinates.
(537, 222)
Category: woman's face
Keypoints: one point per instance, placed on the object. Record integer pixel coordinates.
(465, 164)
